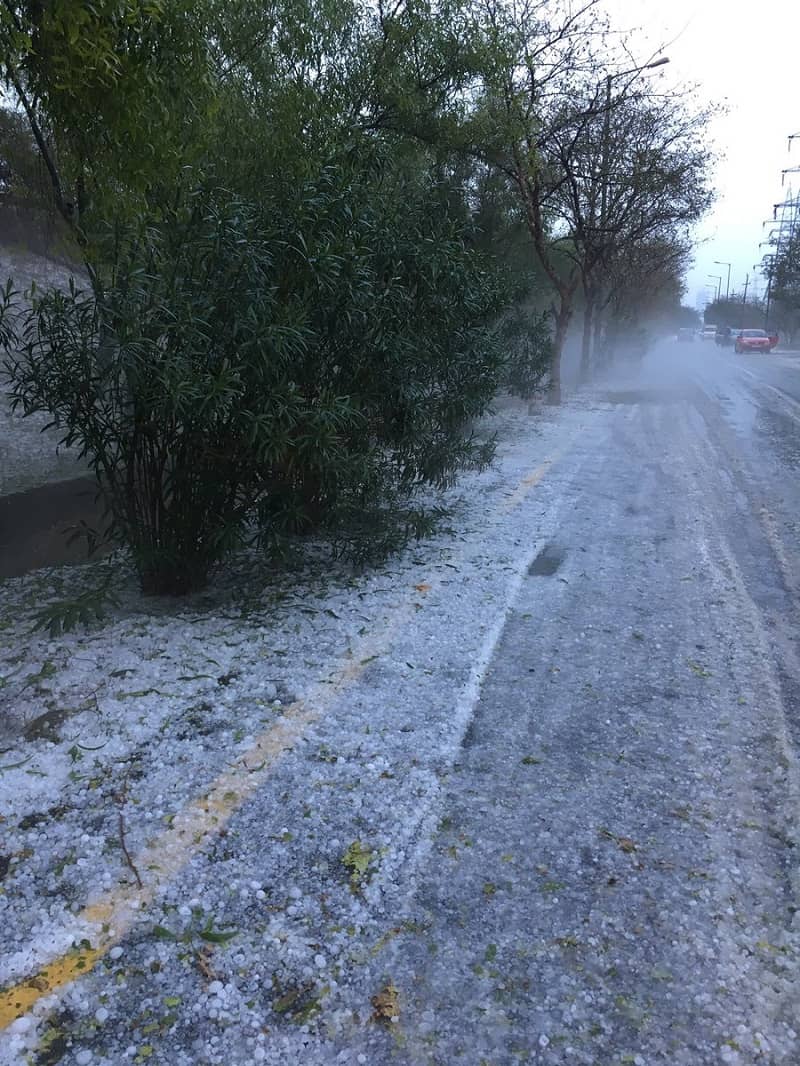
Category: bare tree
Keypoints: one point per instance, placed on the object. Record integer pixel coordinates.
(645, 284)
(594, 173)
(527, 120)
(635, 175)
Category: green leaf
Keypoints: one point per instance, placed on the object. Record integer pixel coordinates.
(217, 936)
(160, 932)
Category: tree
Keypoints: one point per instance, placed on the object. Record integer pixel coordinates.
(593, 176)
(735, 312)
(686, 317)
(27, 215)
(635, 187)
(291, 327)
(535, 55)
(116, 95)
(644, 291)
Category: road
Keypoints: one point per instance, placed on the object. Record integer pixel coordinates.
(580, 850)
(781, 371)
(615, 875)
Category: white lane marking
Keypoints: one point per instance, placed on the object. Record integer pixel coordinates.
(787, 399)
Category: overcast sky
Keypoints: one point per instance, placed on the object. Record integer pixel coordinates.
(747, 57)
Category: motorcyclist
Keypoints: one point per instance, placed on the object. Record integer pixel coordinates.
(723, 336)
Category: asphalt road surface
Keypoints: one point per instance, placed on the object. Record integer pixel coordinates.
(780, 370)
(615, 877)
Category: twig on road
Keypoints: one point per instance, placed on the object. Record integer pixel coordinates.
(120, 799)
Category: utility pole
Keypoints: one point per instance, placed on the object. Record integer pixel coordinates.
(781, 238)
(744, 297)
(785, 241)
(769, 260)
(786, 203)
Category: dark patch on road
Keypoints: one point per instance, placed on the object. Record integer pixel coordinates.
(547, 561)
(631, 397)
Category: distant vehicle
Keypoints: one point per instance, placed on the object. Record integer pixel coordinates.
(686, 334)
(723, 336)
(753, 340)
(708, 333)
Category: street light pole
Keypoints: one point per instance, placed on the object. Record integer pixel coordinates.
(606, 141)
(718, 278)
(605, 153)
(719, 263)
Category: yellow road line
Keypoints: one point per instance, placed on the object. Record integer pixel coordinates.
(113, 914)
(115, 911)
(527, 483)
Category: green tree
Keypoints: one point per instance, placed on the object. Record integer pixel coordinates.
(116, 94)
(291, 326)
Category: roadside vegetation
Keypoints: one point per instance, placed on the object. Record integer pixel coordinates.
(313, 239)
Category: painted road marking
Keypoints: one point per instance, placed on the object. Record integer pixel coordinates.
(787, 399)
(112, 915)
(528, 483)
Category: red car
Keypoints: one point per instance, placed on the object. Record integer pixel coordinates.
(753, 340)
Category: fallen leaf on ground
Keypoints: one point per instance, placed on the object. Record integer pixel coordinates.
(204, 957)
(357, 859)
(386, 1004)
(422, 588)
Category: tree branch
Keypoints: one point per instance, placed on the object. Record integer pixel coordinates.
(44, 148)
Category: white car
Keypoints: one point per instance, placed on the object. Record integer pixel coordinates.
(708, 333)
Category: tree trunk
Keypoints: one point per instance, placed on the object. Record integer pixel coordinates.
(586, 342)
(608, 348)
(597, 345)
(563, 316)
